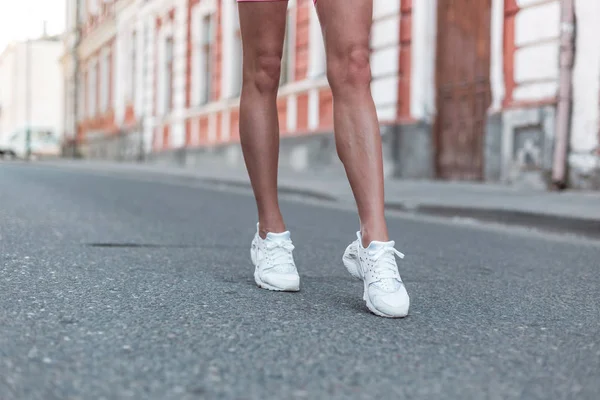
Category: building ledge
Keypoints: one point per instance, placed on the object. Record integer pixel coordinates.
(97, 38)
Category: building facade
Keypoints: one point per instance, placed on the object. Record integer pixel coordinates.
(464, 90)
(30, 84)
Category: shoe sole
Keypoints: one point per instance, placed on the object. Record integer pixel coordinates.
(264, 285)
(353, 267)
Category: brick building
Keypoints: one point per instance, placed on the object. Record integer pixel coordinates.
(464, 89)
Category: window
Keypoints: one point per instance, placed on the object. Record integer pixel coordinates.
(92, 87)
(203, 59)
(44, 136)
(81, 101)
(68, 95)
(168, 91)
(205, 55)
(104, 81)
(132, 66)
(144, 68)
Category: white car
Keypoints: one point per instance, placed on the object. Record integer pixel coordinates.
(44, 143)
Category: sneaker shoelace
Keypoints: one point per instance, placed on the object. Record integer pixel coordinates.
(280, 253)
(385, 262)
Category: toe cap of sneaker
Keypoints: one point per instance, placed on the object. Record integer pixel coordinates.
(285, 282)
(394, 304)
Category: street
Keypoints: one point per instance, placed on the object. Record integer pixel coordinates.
(133, 286)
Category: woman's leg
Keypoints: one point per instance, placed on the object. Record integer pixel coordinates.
(263, 28)
(346, 28)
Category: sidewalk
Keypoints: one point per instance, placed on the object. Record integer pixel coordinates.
(568, 212)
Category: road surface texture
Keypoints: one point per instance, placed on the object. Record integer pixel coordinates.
(117, 286)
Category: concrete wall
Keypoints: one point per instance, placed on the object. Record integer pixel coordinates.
(8, 106)
(47, 85)
(47, 105)
(584, 159)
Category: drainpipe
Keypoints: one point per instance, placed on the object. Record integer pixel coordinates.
(565, 94)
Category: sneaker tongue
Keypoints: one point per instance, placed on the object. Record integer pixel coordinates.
(283, 263)
(387, 285)
(278, 237)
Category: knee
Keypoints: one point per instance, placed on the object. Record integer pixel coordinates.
(350, 67)
(266, 72)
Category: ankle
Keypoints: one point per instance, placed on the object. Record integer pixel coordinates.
(370, 235)
(270, 227)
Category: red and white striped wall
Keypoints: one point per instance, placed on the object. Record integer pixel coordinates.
(305, 102)
(97, 54)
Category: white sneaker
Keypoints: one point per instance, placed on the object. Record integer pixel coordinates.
(376, 266)
(274, 262)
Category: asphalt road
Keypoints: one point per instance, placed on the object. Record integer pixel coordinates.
(125, 286)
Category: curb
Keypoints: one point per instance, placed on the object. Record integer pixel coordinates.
(563, 224)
